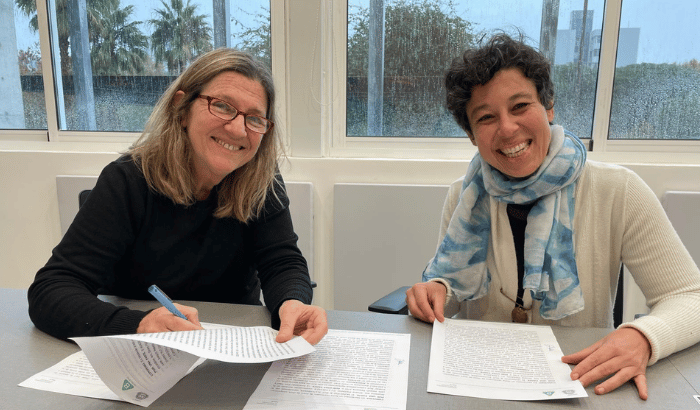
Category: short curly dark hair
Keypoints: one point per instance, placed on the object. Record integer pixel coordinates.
(477, 66)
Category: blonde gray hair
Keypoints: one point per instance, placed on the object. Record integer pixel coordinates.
(164, 152)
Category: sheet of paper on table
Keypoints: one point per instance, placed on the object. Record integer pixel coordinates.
(504, 361)
(72, 375)
(140, 368)
(348, 370)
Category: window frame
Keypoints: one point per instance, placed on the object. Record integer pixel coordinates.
(311, 92)
(344, 146)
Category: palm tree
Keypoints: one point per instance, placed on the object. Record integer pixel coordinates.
(28, 7)
(179, 35)
(117, 45)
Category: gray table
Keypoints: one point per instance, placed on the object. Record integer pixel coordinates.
(27, 351)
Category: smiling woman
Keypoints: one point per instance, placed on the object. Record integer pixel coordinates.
(221, 146)
(183, 131)
(196, 207)
(536, 233)
(509, 124)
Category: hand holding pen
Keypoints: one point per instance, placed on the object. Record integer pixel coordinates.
(171, 317)
(165, 301)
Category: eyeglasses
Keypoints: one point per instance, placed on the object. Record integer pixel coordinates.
(221, 109)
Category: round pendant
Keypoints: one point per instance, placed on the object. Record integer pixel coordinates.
(518, 315)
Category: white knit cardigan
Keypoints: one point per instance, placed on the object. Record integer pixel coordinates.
(617, 219)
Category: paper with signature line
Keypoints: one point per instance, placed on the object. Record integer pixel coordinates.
(504, 361)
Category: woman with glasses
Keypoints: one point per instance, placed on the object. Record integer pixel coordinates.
(196, 207)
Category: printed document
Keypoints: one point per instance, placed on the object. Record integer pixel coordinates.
(348, 370)
(139, 368)
(504, 361)
(72, 375)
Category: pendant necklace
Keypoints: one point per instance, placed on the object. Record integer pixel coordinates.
(519, 312)
(517, 216)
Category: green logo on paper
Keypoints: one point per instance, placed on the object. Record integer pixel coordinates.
(127, 385)
(548, 393)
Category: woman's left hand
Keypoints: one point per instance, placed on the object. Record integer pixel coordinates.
(299, 319)
(623, 353)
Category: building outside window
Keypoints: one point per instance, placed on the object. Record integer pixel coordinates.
(656, 92)
(398, 51)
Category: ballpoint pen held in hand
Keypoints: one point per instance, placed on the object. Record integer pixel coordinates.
(165, 301)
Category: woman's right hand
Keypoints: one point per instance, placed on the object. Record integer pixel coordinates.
(426, 301)
(161, 320)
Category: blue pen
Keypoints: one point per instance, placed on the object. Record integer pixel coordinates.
(165, 301)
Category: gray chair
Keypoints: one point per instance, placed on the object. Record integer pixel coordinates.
(82, 197)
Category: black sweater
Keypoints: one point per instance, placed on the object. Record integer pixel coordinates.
(126, 237)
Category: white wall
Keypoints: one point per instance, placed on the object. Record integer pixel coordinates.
(29, 219)
(30, 226)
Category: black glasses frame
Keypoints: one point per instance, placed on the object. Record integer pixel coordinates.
(268, 123)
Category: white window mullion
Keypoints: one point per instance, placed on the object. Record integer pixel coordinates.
(303, 87)
(336, 113)
(606, 74)
(279, 35)
(48, 72)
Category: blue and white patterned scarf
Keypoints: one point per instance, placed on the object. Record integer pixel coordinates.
(550, 262)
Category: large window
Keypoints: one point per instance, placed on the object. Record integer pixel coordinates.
(398, 51)
(656, 92)
(356, 78)
(113, 59)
